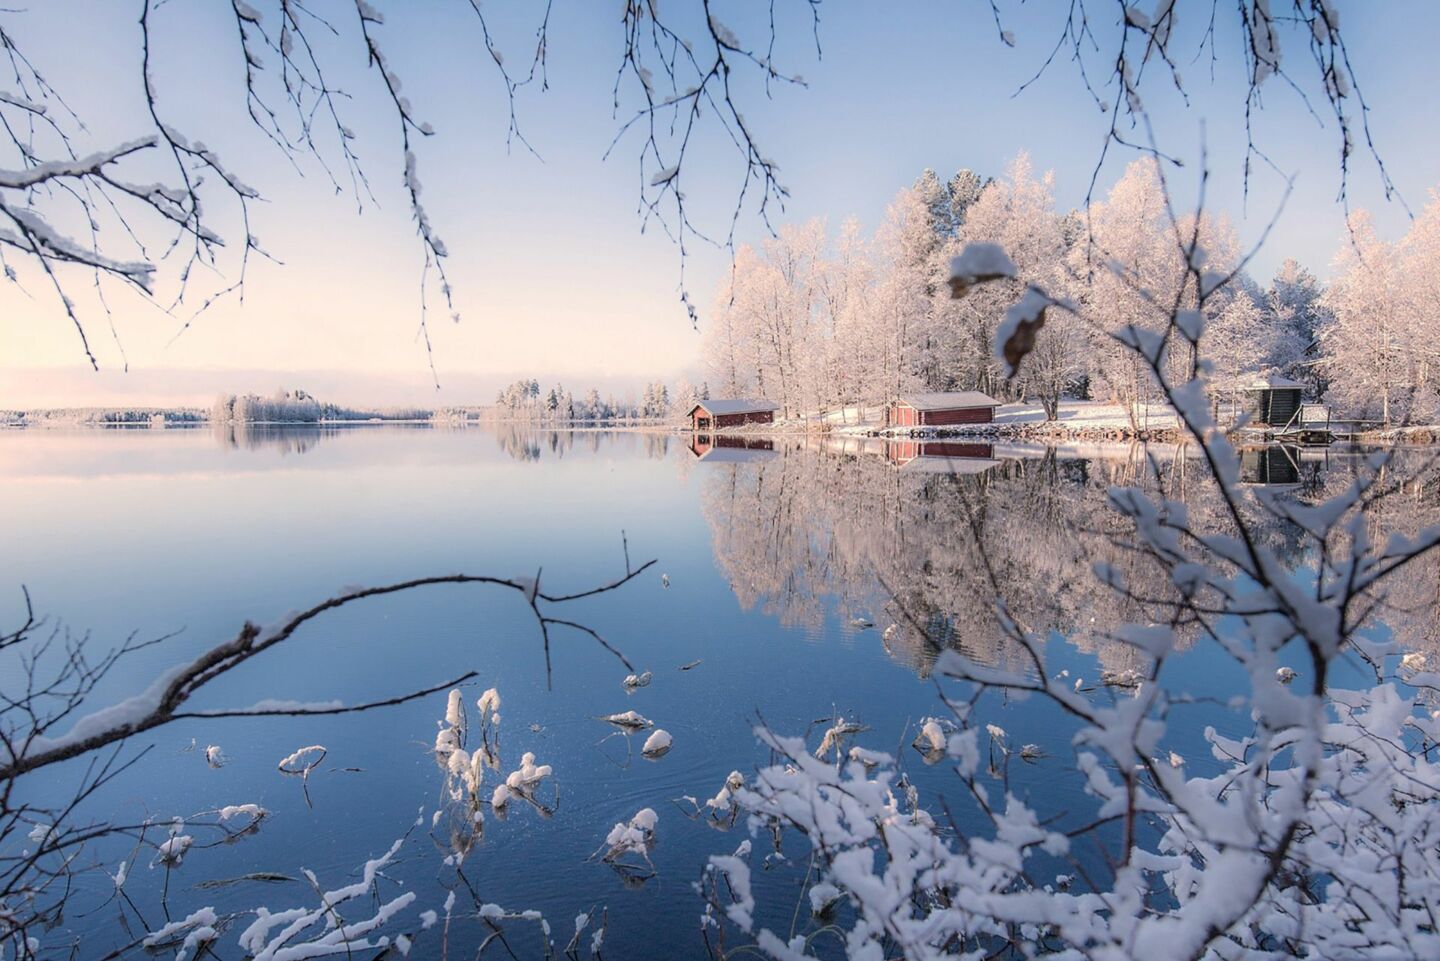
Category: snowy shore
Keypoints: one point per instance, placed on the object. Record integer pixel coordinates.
(1078, 420)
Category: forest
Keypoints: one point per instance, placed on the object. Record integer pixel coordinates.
(819, 321)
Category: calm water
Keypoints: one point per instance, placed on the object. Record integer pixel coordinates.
(776, 554)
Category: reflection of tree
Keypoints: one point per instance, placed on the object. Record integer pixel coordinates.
(287, 440)
(832, 527)
(528, 442)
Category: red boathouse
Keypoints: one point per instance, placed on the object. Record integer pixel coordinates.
(941, 409)
(719, 414)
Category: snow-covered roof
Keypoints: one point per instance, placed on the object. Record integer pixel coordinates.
(1270, 382)
(948, 400)
(737, 406)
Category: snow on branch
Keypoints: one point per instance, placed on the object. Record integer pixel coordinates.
(28, 726)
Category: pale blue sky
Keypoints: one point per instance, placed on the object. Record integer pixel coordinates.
(552, 276)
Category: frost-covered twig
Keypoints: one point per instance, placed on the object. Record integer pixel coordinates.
(30, 744)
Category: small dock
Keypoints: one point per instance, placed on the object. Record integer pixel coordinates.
(1313, 425)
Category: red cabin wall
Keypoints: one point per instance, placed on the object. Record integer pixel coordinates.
(960, 415)
(902, 415)
(738, 420)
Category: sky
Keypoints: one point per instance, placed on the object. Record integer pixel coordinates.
(553, 276)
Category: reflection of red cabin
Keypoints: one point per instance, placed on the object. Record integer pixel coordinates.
(940, 457)
(941, 409)
(718, 414)
(721, 447)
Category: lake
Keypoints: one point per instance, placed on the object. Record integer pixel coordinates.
(797, 580)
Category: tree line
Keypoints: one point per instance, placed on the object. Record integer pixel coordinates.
(817, 321)
(524, 399)
(299, 407)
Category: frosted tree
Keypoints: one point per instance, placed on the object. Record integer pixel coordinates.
(772, 339)
(906, 252)
(684, 397)
(1419, 280)
(965, 188)
(1236, 343)
(1017, 212)
(858, 341)
(1137, 245)
(1293, 306)
(594, 406)
(1365, 347)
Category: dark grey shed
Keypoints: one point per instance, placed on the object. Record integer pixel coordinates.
(1272, 400)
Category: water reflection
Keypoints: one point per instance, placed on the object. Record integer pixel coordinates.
(731, 449)
(916, 536)
(285, 438)
(919, 537)
(525, 443)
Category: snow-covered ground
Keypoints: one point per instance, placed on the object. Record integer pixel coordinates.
(1077, 417)
(1090, 415)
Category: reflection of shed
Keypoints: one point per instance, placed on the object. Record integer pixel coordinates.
(940, 457)
(941, 409)
(1272, 400)
(715, 414)
(731, 449)
(1275, 465)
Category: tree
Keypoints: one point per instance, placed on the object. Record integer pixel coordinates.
(1017, 212)
(1365, 348)
(1138, 245)
(594, 406)
(1235, 344)
(773, 323)
(1293, 305)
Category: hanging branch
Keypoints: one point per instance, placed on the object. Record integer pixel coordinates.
(26, 725)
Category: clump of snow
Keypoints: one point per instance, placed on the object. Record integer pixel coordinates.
(632, 837)
(172, 851)
(303, 760)
(835, 735)
(932, 739)
(976, 264)
(741, 909)
(520, 783)
(199, 927)
(657, 744)
(253, 811)
(724, 799)
(489, 705)
(628, 720)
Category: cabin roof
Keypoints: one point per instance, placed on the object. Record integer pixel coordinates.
(948, 400)
(1269, 382)
(736, 406)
